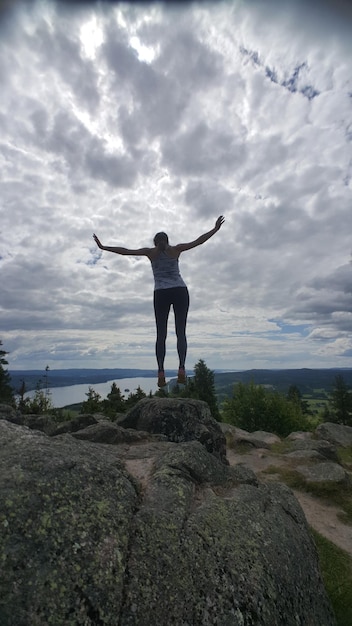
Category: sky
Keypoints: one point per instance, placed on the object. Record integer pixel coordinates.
(126, 119)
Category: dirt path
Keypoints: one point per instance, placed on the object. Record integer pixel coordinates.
(322, 517)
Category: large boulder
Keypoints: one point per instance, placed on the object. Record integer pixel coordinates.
(180, 419)
(258, 438)
(46, 422)
(66, 509)
(109, 432)
(337, 434)
(196, 543)
(325, 448)
(327, 473)
(9, 413)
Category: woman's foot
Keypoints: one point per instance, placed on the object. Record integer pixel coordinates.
(161, 378)
(181, 376)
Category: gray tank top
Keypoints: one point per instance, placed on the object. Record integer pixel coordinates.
(166, 272)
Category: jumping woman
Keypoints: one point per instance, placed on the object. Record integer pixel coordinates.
(170, 289)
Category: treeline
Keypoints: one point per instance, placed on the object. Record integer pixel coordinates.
(250, 406)
(200, 386)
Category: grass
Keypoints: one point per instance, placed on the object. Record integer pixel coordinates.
(345, 457)
(336, 569)
(281, 447)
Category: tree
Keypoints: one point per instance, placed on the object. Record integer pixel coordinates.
(133, 398)
(202, 387)
(39, 404)
(6, 391)
(93, 403)
(114, 402)
(294, 395)
(252, 407)
(341, 401)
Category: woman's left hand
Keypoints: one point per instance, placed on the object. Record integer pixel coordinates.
(219, 222)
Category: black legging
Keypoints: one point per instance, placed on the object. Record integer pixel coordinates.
(163, 299)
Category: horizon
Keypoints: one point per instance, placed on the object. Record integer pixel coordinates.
(153, 370)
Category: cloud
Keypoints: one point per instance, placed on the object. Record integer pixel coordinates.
(125, 120)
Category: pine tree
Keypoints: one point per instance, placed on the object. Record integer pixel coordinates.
(133, 398)
(294, 395)
(6, 391)
(204, 387)
(114, 402)
(341, 401)
(93, 403)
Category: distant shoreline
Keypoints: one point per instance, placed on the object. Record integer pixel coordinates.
(74, 376)
(280, 378)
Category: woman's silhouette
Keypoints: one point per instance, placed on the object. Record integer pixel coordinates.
(169, 289)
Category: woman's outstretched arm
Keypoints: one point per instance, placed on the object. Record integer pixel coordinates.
(203, 238)
(121, 250)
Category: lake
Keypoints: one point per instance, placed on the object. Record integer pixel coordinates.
(63, 396)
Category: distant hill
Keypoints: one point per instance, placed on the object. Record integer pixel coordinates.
(66, 377)
(307, 380)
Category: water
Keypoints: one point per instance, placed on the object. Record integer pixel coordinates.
(63, 396)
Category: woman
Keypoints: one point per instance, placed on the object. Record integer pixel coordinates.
(169, 289)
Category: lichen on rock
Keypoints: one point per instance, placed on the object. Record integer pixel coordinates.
(197, 542)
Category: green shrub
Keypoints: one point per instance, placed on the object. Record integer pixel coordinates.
(253, 407)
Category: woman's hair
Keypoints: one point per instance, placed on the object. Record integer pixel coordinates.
(161, 240)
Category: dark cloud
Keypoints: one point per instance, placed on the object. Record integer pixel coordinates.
(205, 196)
(203, 149)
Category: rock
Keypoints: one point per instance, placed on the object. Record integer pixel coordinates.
(325, 448)
(262, 439)
(9, 413)
(214, 566)
(66, 509)
(300, 434)
(304, 454)
(108, 432)
(337, 434)
(324, 473)
(46, 423)
(82, 544)
(180, 419)
(258, 438)
(73, 425)
(232, 434)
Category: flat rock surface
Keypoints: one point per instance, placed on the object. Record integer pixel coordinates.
(320, 515)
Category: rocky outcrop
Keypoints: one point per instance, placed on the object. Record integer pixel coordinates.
(313, 455)
(180, 419)
(146, 533)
